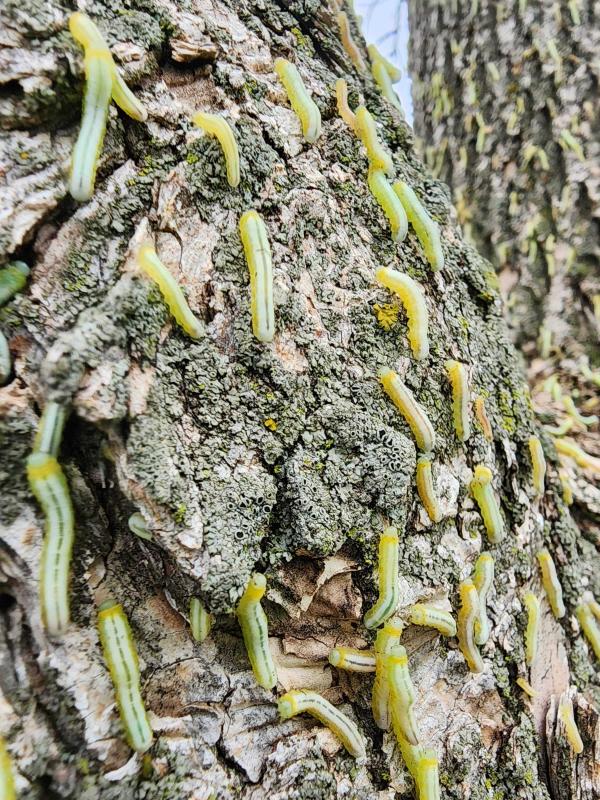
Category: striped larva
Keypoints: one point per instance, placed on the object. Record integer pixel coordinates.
(532, 605)
(387, 572)
(366, 130)
(352, 660)
(384, 82)
(430, 617)
(567, 447)
(402, 694)
(374, 54)
(426, 229)
(524, 684)
(49, 487)
(387, 637)
(13, 278)
(589, 626)
(137, 524)
(575, 414)
(388, 200)
(50, 428)
(567, 720)
(483, 577)
(348, 42)
(413, 299)
(428, 779)
(481, 488)
(216, 125)
(172, 294)
(257, 250)
(459, 380)
(469, 605)
(551, 583)
(200, 620)
(253, 622)
(123, 664)
(426, 489)
(343, 107)
(538, 464)
(413, 413)
(304, 106)
(305, 702)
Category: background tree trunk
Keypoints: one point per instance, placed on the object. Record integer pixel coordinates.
(284, 457)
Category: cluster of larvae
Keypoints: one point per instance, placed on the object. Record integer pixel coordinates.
(393, 692)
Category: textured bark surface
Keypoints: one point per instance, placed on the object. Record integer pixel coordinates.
(506, 103)
(284, 457)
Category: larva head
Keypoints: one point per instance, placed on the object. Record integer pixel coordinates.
(424, 460)
(280, 65)
(418, 614)
(482, 475)
(21, 266)
(468, 592)
(335, 657)
(452, 367)
(286, 705)
(256, 586)
(385, 374)
(84, 31)
(109, 607)
(390, 535)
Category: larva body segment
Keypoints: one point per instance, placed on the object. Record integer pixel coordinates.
(304, 106)
(426, 489)
(257, 250)
(366, 130)
(13, 278)
(589, 626)
(551, 583)
(402, 694)
(49, 487)
(483, 578)
(348, 42)
(567, 486)
(532, 605)
(387, 199)
(393, 71)
(172, 293)
(255, 630)
(305, 702)
(7, 780)
(352, 660)
(387, 571)
(469, 604)
(50, 429)
(567, 719)
(122, 660)
(428, 779)
(426, 229)
(412, 412)
(126, 100)
(527, 688)
(344, 110)
(481, 488)
(538, 463)
(5, 360)
(216, 125)
(413, 299)
(430, 617)
(200, 620)
(483, 419)
(459, 380)
(384, 82)
(387, 638)
(137, 524)
(567, 447)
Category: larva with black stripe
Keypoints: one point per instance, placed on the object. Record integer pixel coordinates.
(253, 622)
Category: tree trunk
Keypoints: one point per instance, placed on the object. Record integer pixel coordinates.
(284, 457)
(506, 101)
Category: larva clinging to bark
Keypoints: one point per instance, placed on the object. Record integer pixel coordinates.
(426, 229)
(532, 605)
(430, 617)
(387, 571)
(483, 577)
(13, 278)
(402, 694)
(426, 489)
(305, 107)
(413, 299)
(413, 413)
(459, 380)
(200, 620)
(216, 125)
(255, 630)
(469, 604)
(538, 463)
(366, 130)
(481, 487)
(551, 583)
(257, 250)
(352, 660)
(387, 199)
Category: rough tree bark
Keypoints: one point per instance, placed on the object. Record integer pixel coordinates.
(506, 102)
(239, 455)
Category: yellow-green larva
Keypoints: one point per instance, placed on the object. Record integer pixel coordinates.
(352, 660)
(387, 637)
(374, 54)
(137, 524)
(526, 686)
(388, 200)
(589, 626)
(483, 578)
(469, 606)
(413, 413)
(172, 294)
(387, 571)
(13, 278)
(567, 719)
(49, 487)
(413, 299)
(567, 486)
(425, 488)
(481, 488)
(459, 380)
(384, 82)
(200, 620)
(305, 107)
(430, 617)
(7, 780)
(257, 250)
(305, 702)
(50, 428)
(366, 130)
(538, 463)
(428, 779)
(567, 447)
(349, 43)
(426, 229)
(551, 583)
(255, 630)
(216, 125)
(532, 605)
(575, 414)
(402, 694)
(123, 664)
(344, 110)
(5, 360)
